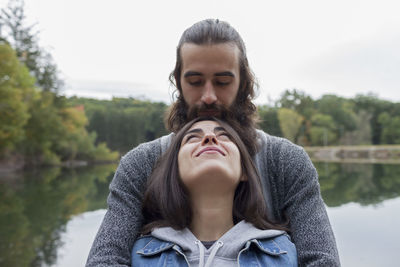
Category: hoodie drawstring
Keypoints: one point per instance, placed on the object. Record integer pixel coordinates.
(212, 254)
(201, 248)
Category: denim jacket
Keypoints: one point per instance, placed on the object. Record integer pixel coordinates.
(277, 251)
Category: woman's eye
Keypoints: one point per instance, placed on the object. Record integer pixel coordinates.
(191, 138)
(224, 137)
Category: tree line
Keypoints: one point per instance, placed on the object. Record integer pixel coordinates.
(332, 120)
(123, 123)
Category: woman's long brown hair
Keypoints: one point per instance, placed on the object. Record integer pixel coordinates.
(167, 202)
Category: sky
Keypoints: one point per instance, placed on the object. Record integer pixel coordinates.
(127, 47)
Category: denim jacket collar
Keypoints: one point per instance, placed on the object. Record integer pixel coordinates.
(156, 246)
(267, 246)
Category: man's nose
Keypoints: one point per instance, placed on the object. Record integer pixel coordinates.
(209, 97)
(209, 139)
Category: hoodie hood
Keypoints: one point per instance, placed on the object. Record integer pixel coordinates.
(224, 249)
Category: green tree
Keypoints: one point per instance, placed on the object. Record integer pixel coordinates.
(290, 122)
(24, 39)
(297, 100)
(391, 128)
(269, 121)
(375, 106)
(123, 123)
(37, 123)
(323, 130)
(15, 89)
(362, 135)
(43, 130)
(339, 108)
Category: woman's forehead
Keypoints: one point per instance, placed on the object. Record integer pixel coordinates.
(205, 125)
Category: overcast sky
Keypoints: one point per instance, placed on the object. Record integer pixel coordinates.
(127, 47)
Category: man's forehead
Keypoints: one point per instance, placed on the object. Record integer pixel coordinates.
(222, 57)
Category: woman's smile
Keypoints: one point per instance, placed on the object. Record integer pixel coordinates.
(211, 150)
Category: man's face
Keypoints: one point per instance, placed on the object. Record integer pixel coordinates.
(210, 75)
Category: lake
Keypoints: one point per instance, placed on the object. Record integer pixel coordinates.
(49, 217)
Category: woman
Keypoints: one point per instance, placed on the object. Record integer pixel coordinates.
(204, 205)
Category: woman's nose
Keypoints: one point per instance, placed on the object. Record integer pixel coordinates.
(209, 139)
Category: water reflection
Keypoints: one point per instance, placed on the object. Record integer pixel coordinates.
(35, 207)
(366, 184)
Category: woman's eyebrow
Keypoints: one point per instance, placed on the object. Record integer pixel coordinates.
(196, 130)
(219, 129)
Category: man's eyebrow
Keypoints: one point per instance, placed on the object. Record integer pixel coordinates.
(225, 73)
(192, 73)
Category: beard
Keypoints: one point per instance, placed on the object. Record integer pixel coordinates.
(212, 110)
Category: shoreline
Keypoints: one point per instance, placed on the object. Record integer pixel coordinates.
(389, 154)
(7, 167)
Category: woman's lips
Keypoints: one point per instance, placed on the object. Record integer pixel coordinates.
(210, 149)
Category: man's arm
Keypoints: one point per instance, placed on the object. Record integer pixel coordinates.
(295, 192)
(309, 222)
(123, 219)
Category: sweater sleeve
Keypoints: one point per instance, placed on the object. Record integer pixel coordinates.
(302, 203)
(123, 219)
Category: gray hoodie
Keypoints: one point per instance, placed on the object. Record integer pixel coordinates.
(224, 252)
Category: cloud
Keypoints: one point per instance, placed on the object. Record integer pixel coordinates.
(357, 67)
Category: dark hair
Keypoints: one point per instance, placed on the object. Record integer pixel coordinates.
(208, 32)
(167, 202)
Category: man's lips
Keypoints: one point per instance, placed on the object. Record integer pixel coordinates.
(210, 149)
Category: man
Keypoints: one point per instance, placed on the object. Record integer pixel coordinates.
(213, 78)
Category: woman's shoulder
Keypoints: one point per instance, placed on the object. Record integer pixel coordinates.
(148, 245)
(278, 244)
(281, 246)
(151, 251)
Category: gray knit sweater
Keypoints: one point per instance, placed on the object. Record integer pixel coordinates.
(290, 185)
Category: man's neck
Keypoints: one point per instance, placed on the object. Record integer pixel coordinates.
(212, 216)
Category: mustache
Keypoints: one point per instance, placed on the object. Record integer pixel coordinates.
(218, 111)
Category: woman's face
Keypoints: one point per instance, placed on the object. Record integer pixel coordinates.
(208, 158)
